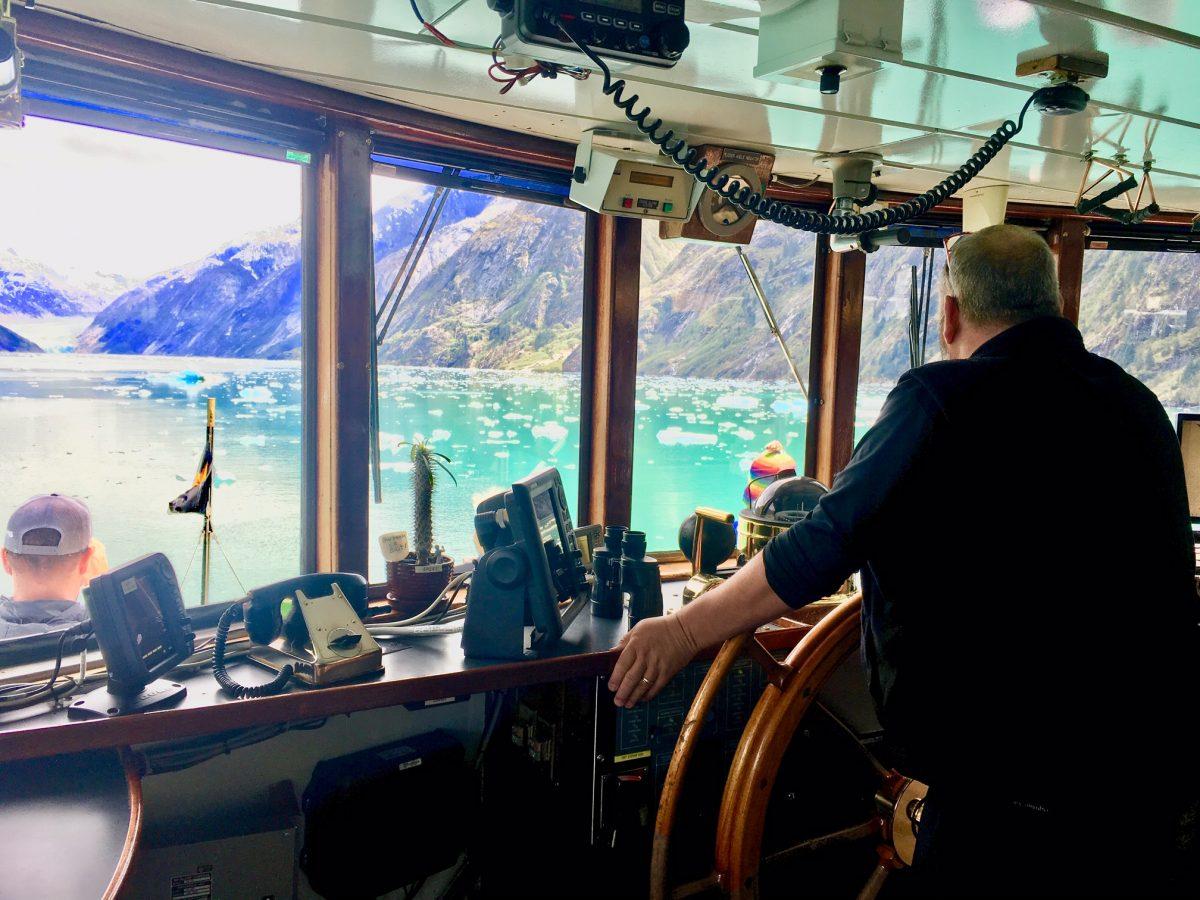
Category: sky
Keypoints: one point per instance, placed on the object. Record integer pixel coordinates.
(81, 199)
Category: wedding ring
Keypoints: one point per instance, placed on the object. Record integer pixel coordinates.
(647, 681)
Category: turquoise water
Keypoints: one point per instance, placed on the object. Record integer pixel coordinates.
(125, 433)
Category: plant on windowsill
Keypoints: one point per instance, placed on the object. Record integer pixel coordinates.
(415, 582)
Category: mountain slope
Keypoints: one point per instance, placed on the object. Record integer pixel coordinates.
(244, 299)
(29, 288)
(11, 342)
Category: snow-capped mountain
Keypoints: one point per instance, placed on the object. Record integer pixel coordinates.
(31, 288)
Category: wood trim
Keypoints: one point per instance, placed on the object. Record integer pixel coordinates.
(841, 336)
(46, 736)
(612, 282)
(345, 309)
(310, 508)
(816, 354)
(41, 28)
(1068, 238)
(133, 836)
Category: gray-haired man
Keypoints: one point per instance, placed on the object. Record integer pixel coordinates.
(48, 552)
(1019, 517)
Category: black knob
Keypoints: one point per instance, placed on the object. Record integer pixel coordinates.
(507, 567)
(672, 38)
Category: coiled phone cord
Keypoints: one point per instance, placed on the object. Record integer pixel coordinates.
(241, 691)
(688, 159)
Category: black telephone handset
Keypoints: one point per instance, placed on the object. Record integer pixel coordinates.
(271, 611)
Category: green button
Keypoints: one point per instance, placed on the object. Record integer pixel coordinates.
(667, 207)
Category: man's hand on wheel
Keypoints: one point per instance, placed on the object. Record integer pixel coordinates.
(654, 651)
(651, 654)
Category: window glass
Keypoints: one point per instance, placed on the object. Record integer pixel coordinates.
(138, 278)
(482, 355)
(884, 354)
(1142, 310)
(713, 387)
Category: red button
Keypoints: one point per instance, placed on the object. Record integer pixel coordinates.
(627, 202)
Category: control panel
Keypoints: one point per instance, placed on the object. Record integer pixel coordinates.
(651, 32)
(621, 184)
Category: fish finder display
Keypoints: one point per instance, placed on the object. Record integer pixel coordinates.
(144, 618)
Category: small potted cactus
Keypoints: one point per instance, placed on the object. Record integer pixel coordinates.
(415, 582)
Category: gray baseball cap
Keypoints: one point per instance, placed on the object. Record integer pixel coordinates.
(63, 526)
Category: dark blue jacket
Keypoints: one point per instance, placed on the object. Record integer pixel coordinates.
(1021, 523)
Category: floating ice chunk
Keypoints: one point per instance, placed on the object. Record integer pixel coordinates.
(745, 434)
(790, 405)
(674, 436)
(437, 413)
(253, 440)
(551, 431)
(256, 394)
(735, 401)
(501, 454)
(396, 466)
(475, 404)
(517, 417)
(439, 434)
(495, 435)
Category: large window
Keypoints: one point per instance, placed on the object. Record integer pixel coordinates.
(713, 387)
(884, 354)
(1142, 310)
(481, 356)
(138, 278)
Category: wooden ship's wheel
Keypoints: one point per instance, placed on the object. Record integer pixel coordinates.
(792, 688)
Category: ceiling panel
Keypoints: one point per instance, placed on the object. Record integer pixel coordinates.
(956, 82)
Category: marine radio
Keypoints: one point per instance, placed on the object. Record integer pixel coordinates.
(651, 32)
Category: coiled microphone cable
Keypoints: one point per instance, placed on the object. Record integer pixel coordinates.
(688, 159)
(241, 691)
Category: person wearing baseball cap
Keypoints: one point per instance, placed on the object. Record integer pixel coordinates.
(50, 555)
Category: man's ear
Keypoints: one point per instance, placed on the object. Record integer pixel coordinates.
(85, 559)
(7, 564)
(951, 319)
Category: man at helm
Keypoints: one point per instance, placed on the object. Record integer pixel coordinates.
(1029, 621)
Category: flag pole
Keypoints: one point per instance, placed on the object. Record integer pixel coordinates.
(207, 533)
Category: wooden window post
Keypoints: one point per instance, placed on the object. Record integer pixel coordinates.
(837, 334)
(1067, 238)
(611, 285)
(345, 307)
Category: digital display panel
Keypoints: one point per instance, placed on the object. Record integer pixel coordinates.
(145, 620)
(547, 518)
(666, 181)
(626, 5)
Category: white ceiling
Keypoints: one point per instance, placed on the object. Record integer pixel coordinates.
(925, 115)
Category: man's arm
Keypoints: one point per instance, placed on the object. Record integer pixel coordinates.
(807, 562)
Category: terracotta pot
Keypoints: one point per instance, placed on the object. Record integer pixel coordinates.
(410, 592)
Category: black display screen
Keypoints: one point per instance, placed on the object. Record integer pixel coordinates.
(626, 5)
(145, 620)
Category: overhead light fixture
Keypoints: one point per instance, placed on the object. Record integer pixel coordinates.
(12, 113)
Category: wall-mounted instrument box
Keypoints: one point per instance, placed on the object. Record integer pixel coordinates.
(715, 219)
(636, 187)
(799, 38)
